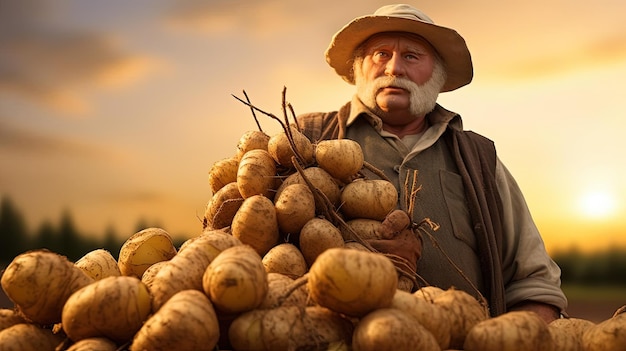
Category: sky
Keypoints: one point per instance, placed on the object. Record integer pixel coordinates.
(116, 110)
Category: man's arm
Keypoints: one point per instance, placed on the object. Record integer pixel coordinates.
(547, 312)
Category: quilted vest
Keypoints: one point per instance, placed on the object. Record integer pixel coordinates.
(459, 159)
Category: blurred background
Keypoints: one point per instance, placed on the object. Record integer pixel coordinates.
(112, 113)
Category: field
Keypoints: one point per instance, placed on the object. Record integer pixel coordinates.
(595, 303)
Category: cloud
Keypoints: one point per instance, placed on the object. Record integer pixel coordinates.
(255, 18)
(602, 52)
(22, 141)
(54, 66)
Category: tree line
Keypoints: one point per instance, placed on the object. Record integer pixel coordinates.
(62, 237)
(599, 268)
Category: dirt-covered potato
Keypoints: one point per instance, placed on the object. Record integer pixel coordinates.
(255, 224)
(368, 198)
(608, 335)
(251, 140)
(317, 236)
(28, 337)
(391, 329)
(295, 206)
(282, 151)
(223, 172)
(184, 271)
(99, 264)
(286, 259)
(352, 282)
(144, 248)
(236, 280)
(464, 312)
(186, 322)
(291, 328)
(511, 331)
(39, 282)
(222, 207)
(431, 316)
(256, 174)
(113, 307)
(341, 158)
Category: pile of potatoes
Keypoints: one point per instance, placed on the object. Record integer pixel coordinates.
(281, 263)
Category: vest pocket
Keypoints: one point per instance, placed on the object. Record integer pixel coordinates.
(458, 211)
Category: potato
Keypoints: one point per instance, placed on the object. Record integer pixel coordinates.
(222, 207)
(511, 331)
(395, 222)
(365, 228)
(39, 282)
(464, 312)
(255, 224)
(143, 249)
(256, 174)
(113, 307)
(99, 264)
(185, 270)
(251, 140)
(352, 282)
(286, 259)
(391, 329)
(428, 293)
(290, 328)
(341, 158)
(608, 335)
(93, 344)
(236, 280)
(9, 318)
(320, 179)
(223, 172)
(187, 321)
(282, 151)
(317, 236)
(277, 288)
(355, 246)
(429, 315)
(368, 198)
(294, 207)
(567, 333)
(148, 276)
(28, 337)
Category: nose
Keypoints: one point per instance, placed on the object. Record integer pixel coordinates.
(395, 66)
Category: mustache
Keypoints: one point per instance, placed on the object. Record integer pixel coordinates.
(398, 82)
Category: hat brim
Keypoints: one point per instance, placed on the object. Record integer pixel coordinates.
(450, 46)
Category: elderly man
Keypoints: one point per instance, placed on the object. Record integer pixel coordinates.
(400, 61)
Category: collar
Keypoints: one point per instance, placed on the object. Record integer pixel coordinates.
(438, 116)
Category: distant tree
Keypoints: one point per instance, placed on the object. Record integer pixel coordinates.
(616, 265)
(70, 241)
(46, 237)
(111, 243)
(13, 231)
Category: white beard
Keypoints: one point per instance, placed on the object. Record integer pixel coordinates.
(423, 97)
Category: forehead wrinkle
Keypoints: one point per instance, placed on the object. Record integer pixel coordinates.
(412, 37)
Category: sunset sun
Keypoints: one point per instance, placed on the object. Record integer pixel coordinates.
(597, 204)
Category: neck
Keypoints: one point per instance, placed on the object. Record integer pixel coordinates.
(415, 126)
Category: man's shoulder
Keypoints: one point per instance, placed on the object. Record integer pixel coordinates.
(323, 125)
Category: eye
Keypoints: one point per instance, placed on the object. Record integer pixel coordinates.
(413, 56)
(380, 54)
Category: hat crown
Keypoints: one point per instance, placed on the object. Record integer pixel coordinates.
(450, 46)
(403, 11)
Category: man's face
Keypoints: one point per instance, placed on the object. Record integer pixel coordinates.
(398, 72)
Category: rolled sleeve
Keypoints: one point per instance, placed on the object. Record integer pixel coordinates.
(529, 272)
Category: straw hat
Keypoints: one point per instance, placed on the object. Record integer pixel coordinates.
(447, 42)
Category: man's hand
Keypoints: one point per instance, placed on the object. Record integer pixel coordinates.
(406, 244)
